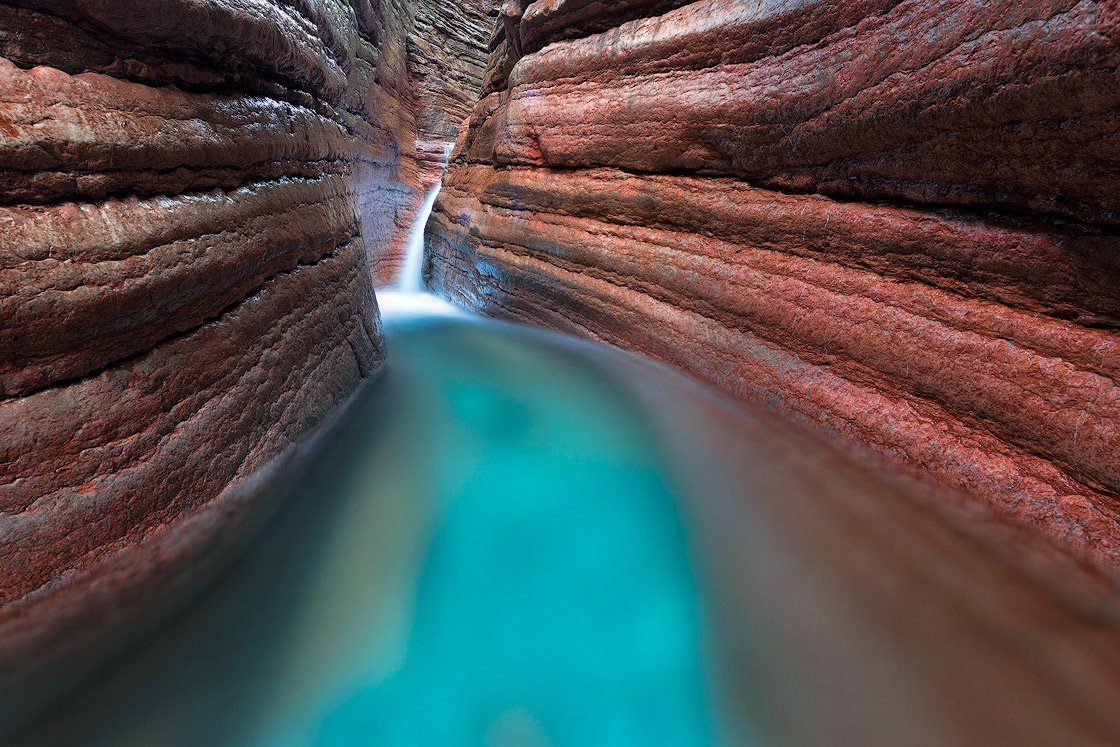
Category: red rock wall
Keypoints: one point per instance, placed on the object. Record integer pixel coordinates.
(895, 221)
(189, 195)
(446, 61)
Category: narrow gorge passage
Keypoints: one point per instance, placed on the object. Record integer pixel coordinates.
(485, 550)
(561, 373)
(513, 537)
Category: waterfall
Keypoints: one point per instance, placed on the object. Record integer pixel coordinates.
(412, 268)
(409, 298)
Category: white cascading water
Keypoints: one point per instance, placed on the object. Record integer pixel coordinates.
(412, 268)
(408, 298)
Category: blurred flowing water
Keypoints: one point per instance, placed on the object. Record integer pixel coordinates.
(486, 549)
(411, 279)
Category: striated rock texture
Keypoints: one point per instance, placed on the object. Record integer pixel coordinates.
(189, 194)
(446, 61)
(895, 221)
(447, 58)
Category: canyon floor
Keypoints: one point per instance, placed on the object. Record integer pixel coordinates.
(514, 537)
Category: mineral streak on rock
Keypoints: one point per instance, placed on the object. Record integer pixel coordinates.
(894, 221)
(189, 194)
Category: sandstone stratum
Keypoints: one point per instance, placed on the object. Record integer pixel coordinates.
(896, 222)
(192, 195)
(755, 373)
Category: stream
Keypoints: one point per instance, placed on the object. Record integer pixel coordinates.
(486, 549)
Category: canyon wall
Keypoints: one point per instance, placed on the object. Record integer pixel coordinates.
(447, 58)
(446, 61)
(189, 197)
(895, 222)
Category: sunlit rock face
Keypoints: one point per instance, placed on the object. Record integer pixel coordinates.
(189, 194)
(894, 221)
(446, 61)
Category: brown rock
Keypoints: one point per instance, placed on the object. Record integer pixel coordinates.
(446, 60)
(546, 21)
(697, 186)
(189, 196)
(96, 465)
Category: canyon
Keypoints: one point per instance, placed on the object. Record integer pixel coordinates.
(192, 197)
(883, 235)
(895, 222)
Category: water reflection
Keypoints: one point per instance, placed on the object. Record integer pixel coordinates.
(514, 538)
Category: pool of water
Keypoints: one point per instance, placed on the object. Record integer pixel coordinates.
(487, 548)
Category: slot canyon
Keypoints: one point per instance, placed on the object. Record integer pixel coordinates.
(559, 372)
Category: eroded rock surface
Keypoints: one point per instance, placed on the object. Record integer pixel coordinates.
(446, 61)
(447, 58)
(895, 221)
(189, 195)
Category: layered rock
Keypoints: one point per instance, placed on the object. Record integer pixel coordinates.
(894, 221)
(446, 61)
(189, 197)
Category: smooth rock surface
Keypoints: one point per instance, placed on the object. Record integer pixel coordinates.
(517, 538)
(894, 221)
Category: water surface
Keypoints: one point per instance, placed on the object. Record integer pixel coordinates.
(486, 549)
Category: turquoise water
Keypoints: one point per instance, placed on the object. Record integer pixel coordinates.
(487, 549)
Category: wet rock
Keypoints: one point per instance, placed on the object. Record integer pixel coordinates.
(894, 221)
(189, 196)
(446, 61)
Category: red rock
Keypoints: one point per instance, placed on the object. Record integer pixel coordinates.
(94, 466)
(446, 60)
(700, 186)
(546, 21)
(190, 195)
